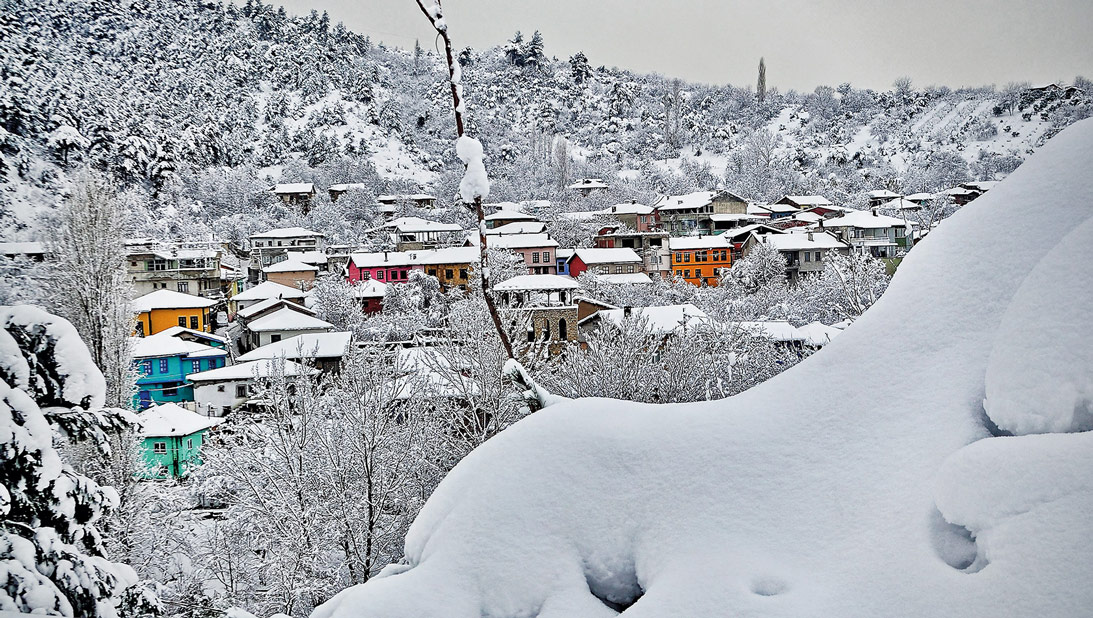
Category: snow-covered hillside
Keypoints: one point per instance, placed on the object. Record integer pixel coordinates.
(869, 480)
(194, 108)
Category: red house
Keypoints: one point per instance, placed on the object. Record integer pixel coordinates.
(604, 261)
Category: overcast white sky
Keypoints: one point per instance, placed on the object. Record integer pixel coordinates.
(806, 43)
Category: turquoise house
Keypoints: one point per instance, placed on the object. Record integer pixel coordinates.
(172, 439)
(163, 361)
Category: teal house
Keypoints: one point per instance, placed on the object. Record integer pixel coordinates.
(172, 439)
(164, 360)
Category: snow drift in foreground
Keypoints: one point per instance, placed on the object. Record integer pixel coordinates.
(863, 482)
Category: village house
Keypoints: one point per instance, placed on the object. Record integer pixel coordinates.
(537, 250)
(682, 215)
(323, 351)
(548, 305)
(262, 292)
(219, 392)
(880, 196)
(638, 217)
(162, 309)
(153, 265)
(370, 295)
(804, 252)
(652, 246)
(663, 321)
(299, 194)
(337, 190)
(163, 361)
(414, 233)
(418, 200)
(700, 259)
(33, 251)
(196, 336)
(604, 261)
(561, 259)
(263, 308)
(281, 324)
(804, 202)
(171, 440)
(724, 222)
(586, 186)
(451, 266)
(518, 227)
(869, 232)
(291, 273)
(275, 245)
(505, 217)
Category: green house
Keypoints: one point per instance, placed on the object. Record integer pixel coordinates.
(172, 439)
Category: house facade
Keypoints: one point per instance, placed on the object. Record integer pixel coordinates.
(651, 246)
(163, 363)
(700, 259)
(870, 232)
(805, 252)
(275, 245)
(604, 261)
(172, 438)
(157, 311)
(682, 215)
(219, 392)
(153, 265)
(452, 266)
(537, 250)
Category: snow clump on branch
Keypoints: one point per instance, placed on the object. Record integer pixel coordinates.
(475, 183)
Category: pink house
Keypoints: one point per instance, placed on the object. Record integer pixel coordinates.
(538, 250)
(387, 267)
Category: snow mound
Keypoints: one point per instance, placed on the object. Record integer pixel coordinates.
(1040, 375)
(862, 482)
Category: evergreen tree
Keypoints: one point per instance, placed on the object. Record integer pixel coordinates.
(761, 86)
(580, 68)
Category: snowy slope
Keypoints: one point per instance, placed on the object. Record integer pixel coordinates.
(850, 485)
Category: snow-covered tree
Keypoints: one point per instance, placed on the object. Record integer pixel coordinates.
(55, 560)
(848, 285)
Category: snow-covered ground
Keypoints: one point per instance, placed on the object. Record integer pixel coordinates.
(866, 481)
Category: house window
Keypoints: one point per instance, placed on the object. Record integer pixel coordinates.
(686, 257)
(146, 367)
(159, 448)
(534, 257)
(190, 443)
(195, 366)
(449, 273)
(618, 269)
(724, 254)
(818, 256)
(157, 265)
(220, 388)
(184, 286)
(432, 272)
(462, 273)
(194, 322)
(274, 338)
(163, 365)
(629, 268)
(686, 273)
(171, 391)
(808, 256)
(563, 330)
(240, 390)
(379, 274)
(182, 321)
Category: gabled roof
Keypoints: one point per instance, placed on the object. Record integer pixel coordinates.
(509, 215)
(520, 241)
(523, 283)
(606, 256)
(306, 345)
(248, 370)
(746, 230)
(630, 209)
(883, 194)
(179, 331)
(169, 299)
(409, 225)
(286, 319)
(264, 305)
(806, 200)
(168, 420)
(290, 266)
(449, 255)
(369, 289)
(267, 290)
(624, 278)
(697, 199)
(286, 232)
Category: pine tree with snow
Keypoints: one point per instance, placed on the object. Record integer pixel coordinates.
(761, 85)
(579, 68)
(54, 561)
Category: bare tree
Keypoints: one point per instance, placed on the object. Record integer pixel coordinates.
(91, 287)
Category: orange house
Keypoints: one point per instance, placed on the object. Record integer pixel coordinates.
(700, 259)
(157, 311)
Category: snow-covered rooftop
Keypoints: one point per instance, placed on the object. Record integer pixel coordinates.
(287, 232)
(290, 266)
(607, 256)
(250, 369)
(698, 199)
(448, 255)
(162, 344)
(267, 290)
(682, 243)
(624, 278)
(865, 219)
(286, 319)
(370, 288)
(520, 241)
(509, 215)
(883, 194)
(807, 200)
(306, 345)
(537, 282)
(169, 299)
(518, 227)
(263, 305)
(410, 225)
(801, 241)
(630, 209)
(177, 331)
(294, 187)
(660, 320)
(169, 420)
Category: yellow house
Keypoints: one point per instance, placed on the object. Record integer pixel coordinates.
(157, 311)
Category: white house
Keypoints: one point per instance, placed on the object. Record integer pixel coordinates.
(282, 324)
(220, 391)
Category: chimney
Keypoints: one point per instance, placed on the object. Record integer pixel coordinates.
(810, 236)
(384, 256)
(626, 312)
(875, 213)
(821, 224)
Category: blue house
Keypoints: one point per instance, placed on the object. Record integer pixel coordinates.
(163, 362)
(561, 256)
